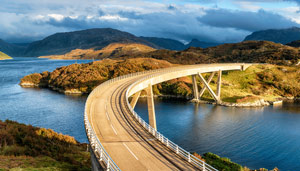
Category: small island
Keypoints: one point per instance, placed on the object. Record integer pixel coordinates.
(4, 56)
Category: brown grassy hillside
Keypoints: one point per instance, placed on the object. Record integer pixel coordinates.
(85, 77)
(111, 51)
(248, 51)
(25, 146)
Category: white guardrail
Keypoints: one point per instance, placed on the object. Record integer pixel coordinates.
(99, 150)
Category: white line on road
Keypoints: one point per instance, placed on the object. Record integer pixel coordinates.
(130, 151)
(107, 115)
(114, 129)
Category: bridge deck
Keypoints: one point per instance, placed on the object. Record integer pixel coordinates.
(129, 145)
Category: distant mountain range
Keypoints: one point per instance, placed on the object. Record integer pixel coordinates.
(11, 49)
(282, 36)
(62, 43)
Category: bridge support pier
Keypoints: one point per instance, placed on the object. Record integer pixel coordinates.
(195, 88)
(151, 109)
(208, 81)
(135, 99)
(219, 84)
(212, 93)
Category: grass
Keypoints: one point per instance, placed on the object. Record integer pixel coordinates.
(268, 82)
(32, 148)
(28, 163)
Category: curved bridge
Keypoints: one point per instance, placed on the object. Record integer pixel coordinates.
(121, 140)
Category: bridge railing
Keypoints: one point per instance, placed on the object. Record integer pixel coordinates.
(96, 145)
(171, 145)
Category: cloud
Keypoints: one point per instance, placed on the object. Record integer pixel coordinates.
(181, 19)
(245, 20)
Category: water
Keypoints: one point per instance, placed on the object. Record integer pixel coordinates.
(260, 137)
(39, 107)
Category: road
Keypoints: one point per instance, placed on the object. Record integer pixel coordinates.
(126, 141)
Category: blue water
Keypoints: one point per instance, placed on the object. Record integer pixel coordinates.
(39, 107)
(262, 137)
(258, 138)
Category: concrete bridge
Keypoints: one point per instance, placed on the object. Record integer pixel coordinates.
(121, 140)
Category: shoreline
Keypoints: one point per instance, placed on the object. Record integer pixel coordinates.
(257, 103)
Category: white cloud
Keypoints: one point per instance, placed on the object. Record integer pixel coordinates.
(113, 18)
(171, 19)
(57, 17)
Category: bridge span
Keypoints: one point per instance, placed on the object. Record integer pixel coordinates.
(121, 140)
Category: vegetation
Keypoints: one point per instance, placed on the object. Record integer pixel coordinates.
(224, 164)
(248, 51)
(33, 148)
(111, 51)
(4, 56)
(85, 77)
(268, 82)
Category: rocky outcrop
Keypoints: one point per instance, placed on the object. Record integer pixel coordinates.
(257, 103)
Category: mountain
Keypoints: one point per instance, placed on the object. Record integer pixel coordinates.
(282, 36)
(197, 43)
(11, 49)
(164, 43)
(61, 43)
(247, 51)
(295, 43)
(4, 56)
(111, 51)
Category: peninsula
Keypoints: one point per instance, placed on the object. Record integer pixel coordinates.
(259, 82)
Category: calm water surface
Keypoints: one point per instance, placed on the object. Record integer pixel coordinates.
(261, 137)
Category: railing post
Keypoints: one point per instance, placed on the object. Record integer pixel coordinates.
(167, 142)
(204, 167)
(101, 154)
(108, 164)
(177, 149)
(189, 157)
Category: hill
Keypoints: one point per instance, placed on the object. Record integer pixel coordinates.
(197, 43)
(282, 36)
(3, 56)
(11, 49)
(61, 43)
(32, 148)
(247, 51)
(267, 82)
(111, 51)
(164, 43)
(295, 43)
(83, 78)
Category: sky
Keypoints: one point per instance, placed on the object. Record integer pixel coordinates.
(206, 20)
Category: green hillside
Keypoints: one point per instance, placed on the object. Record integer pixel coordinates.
(4, 56)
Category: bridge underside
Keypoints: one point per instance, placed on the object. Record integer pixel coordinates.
(196, 94)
